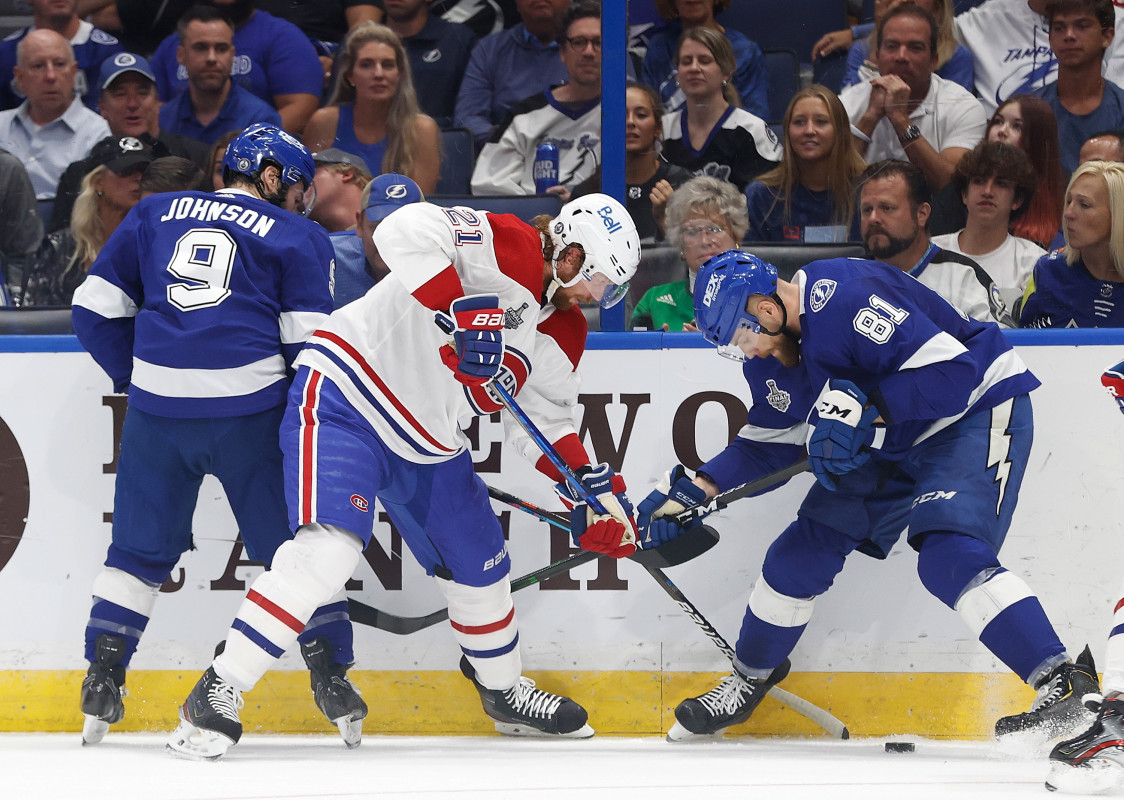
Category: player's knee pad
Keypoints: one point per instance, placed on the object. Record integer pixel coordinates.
(804, 560)
(317, 562)
(484, 625)
(128, 591)
(948, 562)
(769, 605)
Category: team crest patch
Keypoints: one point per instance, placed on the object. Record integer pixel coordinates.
(1106, 290)
(778, 398)
(360, 502)
(822, 290)
(124, 60)
(513, 317)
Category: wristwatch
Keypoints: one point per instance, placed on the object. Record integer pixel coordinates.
(909, 134)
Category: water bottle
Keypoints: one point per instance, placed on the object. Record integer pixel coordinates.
(545, 169)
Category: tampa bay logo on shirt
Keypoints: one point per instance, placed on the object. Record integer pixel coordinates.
(822, 290)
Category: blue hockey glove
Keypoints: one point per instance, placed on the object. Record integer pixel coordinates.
(841, 429)
(656, 513)
(613, 533)
(1113, 382)
(477, 328)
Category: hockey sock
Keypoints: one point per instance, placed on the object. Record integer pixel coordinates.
(1114, 664)
(772, 626)
(484, 625)
(122, 606)
(333, 623)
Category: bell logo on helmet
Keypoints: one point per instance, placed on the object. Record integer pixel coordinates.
(606, 213)
(712, 287)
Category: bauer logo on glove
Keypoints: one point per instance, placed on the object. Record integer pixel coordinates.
(476, 323)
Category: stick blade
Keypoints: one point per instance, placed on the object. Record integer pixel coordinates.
(693, 543)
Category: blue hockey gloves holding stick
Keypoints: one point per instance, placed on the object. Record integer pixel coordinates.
(477, 328)
(614, 533)
(673, 495)
(842, 430)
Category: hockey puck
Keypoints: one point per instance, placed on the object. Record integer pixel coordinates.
(900, 747)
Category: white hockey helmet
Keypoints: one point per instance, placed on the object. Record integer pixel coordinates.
(603, 229)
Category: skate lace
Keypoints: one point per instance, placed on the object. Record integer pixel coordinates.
(1051, 693)
(225, 699)
(529, 701)
(727, 697)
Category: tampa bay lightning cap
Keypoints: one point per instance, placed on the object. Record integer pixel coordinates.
(389, 193)
(113, 68)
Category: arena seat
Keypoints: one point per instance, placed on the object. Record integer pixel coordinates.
(525, 207)
(792, 25)
(45, 321)
(784, 81)
(457, 160)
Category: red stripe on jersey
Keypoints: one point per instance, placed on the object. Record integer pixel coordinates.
(370, 373)
(484, 400)
(568, 329)
(441, 290)
(275, 611)
(1119, 605)
(571, 449)
(518, 250)
(307, 478)
(491, 627)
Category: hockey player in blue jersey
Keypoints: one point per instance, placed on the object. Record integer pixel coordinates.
(913, 416)
(196, 307)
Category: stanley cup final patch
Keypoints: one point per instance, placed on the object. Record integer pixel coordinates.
(778, 398)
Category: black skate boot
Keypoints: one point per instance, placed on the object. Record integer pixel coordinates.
(103, 688)
(209, 722)
(335, 695)
(729, 703)
(524, 710)
(1058, 709)
(1092, 762)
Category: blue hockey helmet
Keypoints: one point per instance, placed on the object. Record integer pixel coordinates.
(264, 144)
(723, 286)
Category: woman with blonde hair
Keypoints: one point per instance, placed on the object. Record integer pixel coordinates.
(809, 196)
(1082, 285)
(373, 111)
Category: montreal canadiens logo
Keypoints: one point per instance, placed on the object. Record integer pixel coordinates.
(360, 502)
(822, 290)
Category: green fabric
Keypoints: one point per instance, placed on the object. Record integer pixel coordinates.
(668, 304)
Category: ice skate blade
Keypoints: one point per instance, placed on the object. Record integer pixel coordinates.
(351, 730)
(515, 729)
(196, 744)
(1095, 776)
(679, 734)
(93, 730)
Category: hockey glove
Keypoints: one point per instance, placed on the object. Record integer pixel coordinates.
(841, 430)
(614, 533)
(1113, 381)
(477, 328)
(656, 513)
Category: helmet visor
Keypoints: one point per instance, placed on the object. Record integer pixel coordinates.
(604, 291)
(743, 342)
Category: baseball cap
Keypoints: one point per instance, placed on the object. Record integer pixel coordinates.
(389, 193)
(113, 68)
(333, 155)
(120, 154)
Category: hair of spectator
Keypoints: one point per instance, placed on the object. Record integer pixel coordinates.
(653, 100)
(1112, 173)
(580, 9)
(85, 222)
(357, 177)
(1116, 134)
(1002, 161)
(401, 144)
(844, 162)
(218, 150)
(667, 9)
(1103, 10)
(20, 60)
(707, 196)
(1039, 140)
(200, 14)
(723, 52)
(915, 11)
(946, 36)
(171, 174)
(917, 188)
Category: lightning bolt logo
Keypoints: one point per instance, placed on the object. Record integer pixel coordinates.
(999, 448)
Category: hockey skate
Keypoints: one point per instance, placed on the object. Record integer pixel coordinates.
(1058, 709)
(524, 710)
(1092, 762)
(103, 689)
(335, 695)
(209, 722)
(731, 702)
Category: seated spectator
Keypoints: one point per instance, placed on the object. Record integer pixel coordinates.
(1082, 285)
(171, 174)
(705, 216)
(20, 226)
(649, 180)
(809, 196)
(569, 116)
(512, 64)
(129, 105)
(213, 104)
(439, 52)
(373, 111)
(750, 77)
(51, 128)
(710, 135)
(996, 183)
(213, 173)
(1102, 146)
(340, 179)
(108, 193)
(894, 209)
(90, 45)
(1082, 100)
(276, 63)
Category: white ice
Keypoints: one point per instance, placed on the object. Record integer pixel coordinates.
(136, 767)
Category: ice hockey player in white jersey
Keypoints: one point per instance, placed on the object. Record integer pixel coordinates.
(196, 307)
(376, 410)
(913, 416)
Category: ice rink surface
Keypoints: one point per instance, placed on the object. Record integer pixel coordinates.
(135, 766)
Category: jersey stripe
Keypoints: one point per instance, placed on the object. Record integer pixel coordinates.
(307, 456)
(230, 382)
(491, 627)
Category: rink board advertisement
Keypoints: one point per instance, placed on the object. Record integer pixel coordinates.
(660, 401)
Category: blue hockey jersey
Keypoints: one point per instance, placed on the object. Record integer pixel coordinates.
(199, 302)
(1060, 295)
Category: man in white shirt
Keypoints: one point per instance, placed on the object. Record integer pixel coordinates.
(908, 112)
(51, 128)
